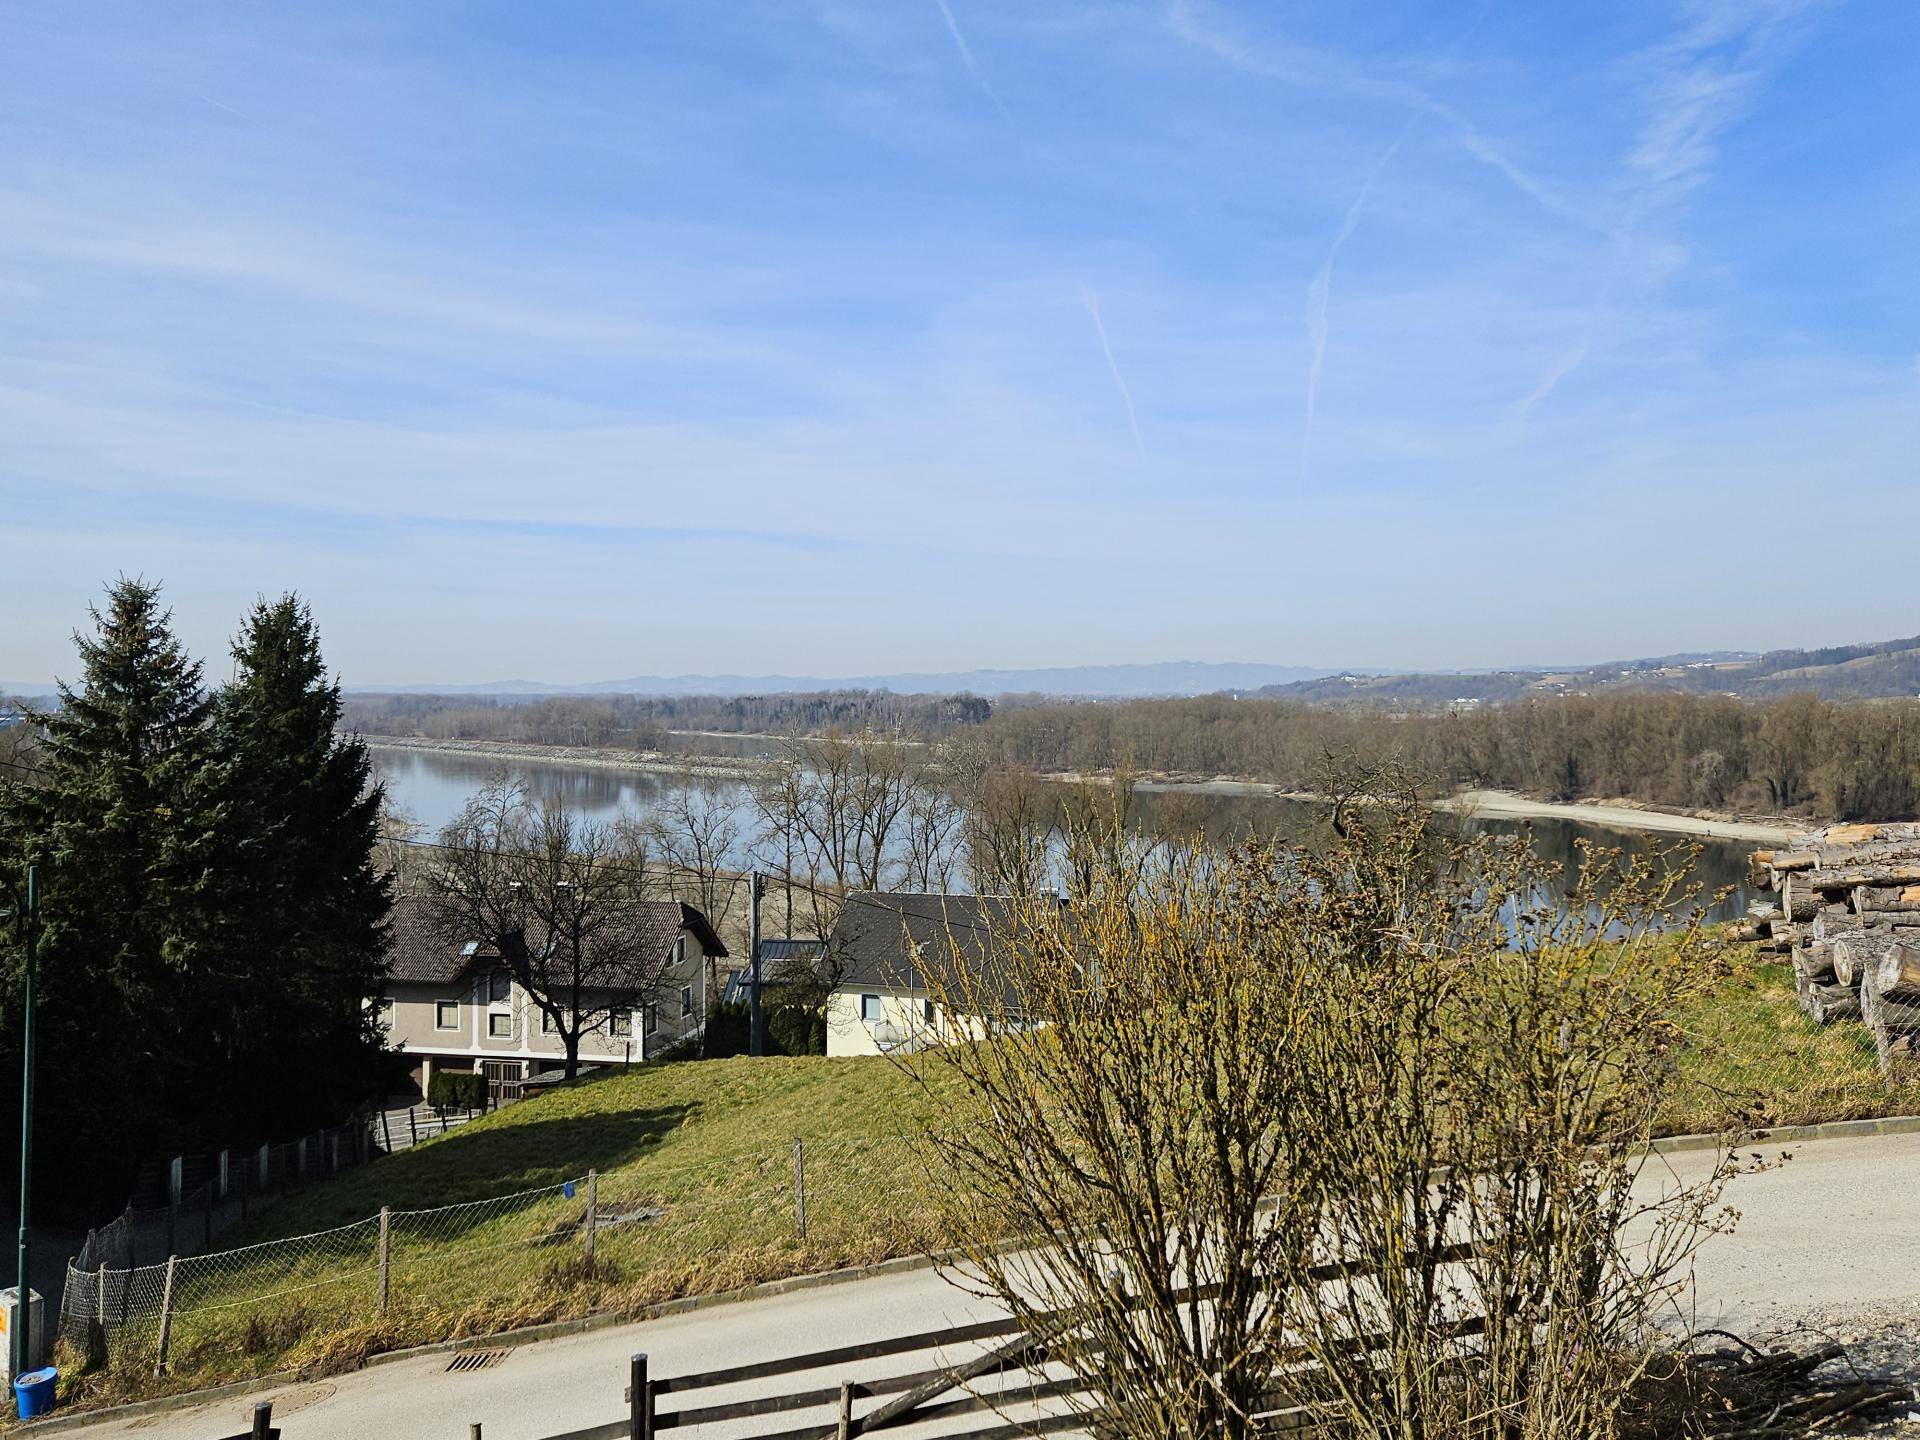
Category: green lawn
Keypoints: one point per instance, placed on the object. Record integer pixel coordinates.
(697, 1193)
(1757, 1059)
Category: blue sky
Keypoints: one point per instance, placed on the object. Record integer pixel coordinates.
(584, 340)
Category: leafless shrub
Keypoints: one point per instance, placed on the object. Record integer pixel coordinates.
(1209, 1074)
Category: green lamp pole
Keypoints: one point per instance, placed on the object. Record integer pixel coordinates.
(24, 1311)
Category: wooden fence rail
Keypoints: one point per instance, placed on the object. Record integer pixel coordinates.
(916, 1395)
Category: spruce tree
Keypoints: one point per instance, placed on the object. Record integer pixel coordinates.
(307, 936)
(125, 829)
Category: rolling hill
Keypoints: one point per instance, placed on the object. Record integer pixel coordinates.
(1887, 669)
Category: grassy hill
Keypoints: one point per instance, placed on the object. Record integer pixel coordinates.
(673, 1130)
(696, 1193)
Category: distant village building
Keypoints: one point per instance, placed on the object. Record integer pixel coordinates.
(783, 965)
(880, 953)
(454, 1005)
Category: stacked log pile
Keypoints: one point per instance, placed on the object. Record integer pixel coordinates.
(1845, 907)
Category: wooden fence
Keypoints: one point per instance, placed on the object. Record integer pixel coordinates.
(1017, 1375)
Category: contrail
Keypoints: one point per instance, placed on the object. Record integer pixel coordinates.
(1092, 302)
(1322, 284)
(966, 58)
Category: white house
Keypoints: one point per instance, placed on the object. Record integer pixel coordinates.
(880, 950)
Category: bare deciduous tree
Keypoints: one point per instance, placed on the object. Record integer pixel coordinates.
(695, 831)
(562, 900)
(1010, 821)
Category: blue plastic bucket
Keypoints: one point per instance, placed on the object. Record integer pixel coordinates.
(33, 1392)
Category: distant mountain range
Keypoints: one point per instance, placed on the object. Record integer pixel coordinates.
(1885, 670)
(1173, 677)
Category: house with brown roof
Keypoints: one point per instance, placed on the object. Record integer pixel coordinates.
(453, 1004)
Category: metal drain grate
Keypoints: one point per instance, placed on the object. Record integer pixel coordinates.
(476, 1359)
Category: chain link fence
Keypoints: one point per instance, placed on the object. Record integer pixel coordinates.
(209, 1193)
(626, 1237)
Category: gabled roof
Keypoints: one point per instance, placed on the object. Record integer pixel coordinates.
(782, 962)
(423, 955)
(888, 939)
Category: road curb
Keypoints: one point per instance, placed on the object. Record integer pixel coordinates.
(1773, 1135)
(686, 1304)
(817, 1280)
(133, 1409)
(525, 1335)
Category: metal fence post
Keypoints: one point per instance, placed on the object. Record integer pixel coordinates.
(100, 1299)
(413, 1126)
(166, 1317)
(639, 1399)
(386, 1133)
(386, 1238)
(800, 1187)
(226, 1173)
(592, 1222)
(262, 1420)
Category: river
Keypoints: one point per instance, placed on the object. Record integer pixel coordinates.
(432, 787)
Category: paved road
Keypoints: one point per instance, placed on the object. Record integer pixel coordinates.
(1801, 1245)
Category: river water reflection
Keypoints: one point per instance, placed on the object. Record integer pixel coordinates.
(432, 787)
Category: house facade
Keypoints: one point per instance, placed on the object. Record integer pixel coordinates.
(453, 1005)
(879, 953)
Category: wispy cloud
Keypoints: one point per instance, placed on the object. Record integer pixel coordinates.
(1320, 291)
(1091, 300)
(966, 59)
(1695, 87)
(1287, 60)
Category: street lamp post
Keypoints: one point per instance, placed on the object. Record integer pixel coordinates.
(23, 1314)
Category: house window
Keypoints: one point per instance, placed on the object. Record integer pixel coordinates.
(547, 1027)
(870, 1008)
(926, 1011)
(500, 1027)
(686, 1001)
(386, 1012)
(499, 985)
(620, 1023)
(446, 1015)
(650, 1020)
